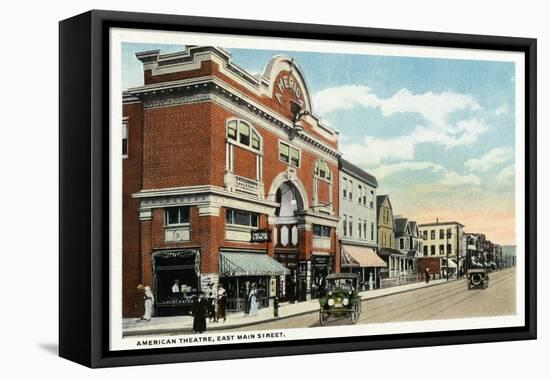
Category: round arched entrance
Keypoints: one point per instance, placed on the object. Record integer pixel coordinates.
(286, 238)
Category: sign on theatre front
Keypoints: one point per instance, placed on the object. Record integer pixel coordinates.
(259, 236)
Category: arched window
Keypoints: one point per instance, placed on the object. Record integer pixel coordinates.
(242, 133)
(322, 170)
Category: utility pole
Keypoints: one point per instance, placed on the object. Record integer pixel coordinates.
(457, 252)
(447, 253)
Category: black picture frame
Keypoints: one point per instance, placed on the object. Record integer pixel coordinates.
(84, 195)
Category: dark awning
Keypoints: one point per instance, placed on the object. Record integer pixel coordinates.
(250, 264)
(389, 252)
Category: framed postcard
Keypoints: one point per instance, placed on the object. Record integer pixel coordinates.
(234, 188)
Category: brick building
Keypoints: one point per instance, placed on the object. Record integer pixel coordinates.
(227, 177)
(442, 249)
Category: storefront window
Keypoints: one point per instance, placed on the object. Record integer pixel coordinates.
(241, 218)
(177, 281)
(176, 215)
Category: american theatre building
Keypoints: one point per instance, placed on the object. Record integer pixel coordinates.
(227, 178)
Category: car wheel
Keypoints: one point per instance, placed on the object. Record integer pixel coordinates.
(354, 316)
(476, 279)
(322, 318)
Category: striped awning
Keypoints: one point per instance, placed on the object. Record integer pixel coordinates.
(250, 264)
(361, 257)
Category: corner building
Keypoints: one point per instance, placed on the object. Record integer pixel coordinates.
(227, 178)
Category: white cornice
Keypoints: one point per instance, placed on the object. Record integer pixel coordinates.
(258, 90)
(200, 189)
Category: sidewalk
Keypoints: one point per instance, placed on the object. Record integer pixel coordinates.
(179, 324)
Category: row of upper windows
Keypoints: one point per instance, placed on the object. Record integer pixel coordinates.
(365, 196)
(441, 249)
(243, 134)
(442, 234)
(347, 226)
(177, 216)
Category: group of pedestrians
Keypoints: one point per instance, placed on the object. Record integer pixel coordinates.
(211, 305)
(208, 305)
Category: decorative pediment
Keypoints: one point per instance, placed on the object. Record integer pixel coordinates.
(286, 83)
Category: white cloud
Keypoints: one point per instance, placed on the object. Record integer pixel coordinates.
(372, 150)
(491, 159)
(435, 108)
(501, 110)
(506, 175)
(447, 178)
(389, 169)
(455, 179)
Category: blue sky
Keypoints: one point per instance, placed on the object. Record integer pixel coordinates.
(438, 133)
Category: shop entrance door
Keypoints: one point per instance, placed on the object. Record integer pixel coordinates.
(176, 281)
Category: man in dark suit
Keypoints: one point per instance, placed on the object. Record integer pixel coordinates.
(200, 311)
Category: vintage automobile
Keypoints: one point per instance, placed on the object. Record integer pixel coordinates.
(477, 278)
(340, 297)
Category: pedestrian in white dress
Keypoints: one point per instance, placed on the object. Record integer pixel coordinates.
(148, 300)
(253, 300)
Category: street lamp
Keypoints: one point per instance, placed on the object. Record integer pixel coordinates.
(297, 114)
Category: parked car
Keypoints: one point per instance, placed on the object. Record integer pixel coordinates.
(341, 297)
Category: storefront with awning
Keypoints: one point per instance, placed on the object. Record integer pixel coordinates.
(239, 270)
(363, 261)
(450, 265)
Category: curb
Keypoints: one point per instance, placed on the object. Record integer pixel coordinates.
(130, 333)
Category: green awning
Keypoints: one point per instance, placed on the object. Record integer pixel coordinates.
(250, 264)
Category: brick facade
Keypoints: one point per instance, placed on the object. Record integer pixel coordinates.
(180, 155)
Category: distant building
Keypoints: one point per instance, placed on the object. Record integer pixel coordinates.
(408, 242)
(358, 234)
(474, 249)
(509, 255)
(386, 239)
(442, 247)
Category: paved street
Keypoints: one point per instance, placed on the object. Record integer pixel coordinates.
(445, 301)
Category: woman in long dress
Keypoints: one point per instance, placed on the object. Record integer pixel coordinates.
(149, 301)
(252, 298)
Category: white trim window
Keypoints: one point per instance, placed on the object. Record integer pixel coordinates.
(321, 170)
(240, 132)
(345, 225)
(241, 218)
(345, 187)
(124, 140)
(176, 216)
(289, 154)
(321, 231)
